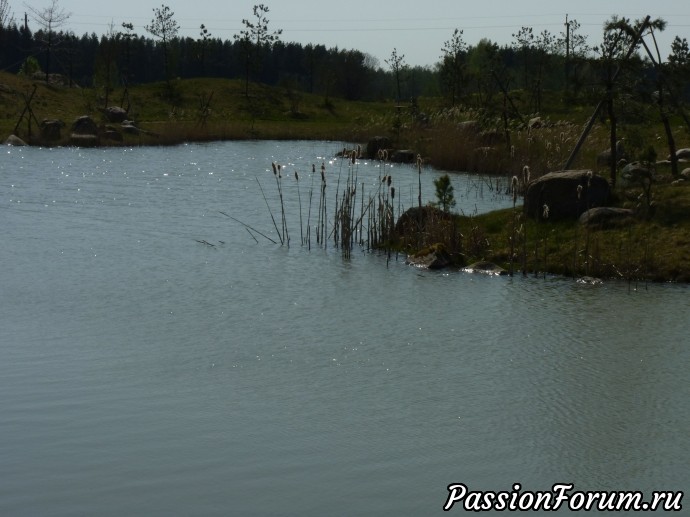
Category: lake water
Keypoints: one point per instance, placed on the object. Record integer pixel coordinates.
(144, 373)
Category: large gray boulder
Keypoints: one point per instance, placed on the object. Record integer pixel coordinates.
(566, 193)
(418, 221)
(84, 125)
(84, 132)
(51, 130)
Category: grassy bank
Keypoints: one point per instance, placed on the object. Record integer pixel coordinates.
(656, 249)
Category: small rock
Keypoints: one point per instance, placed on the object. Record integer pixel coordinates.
(535, 123)
(636, 174)
(115, 114)
(129, 128)
(15, 141)
(434, 257)
(681, 154)
(604, 158)
(486, 268)
(81, 140)
(605, 214)
(376, 144)
(589, 280)
(404, 156)
(111, 134)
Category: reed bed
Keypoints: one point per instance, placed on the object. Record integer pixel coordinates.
(359, 218)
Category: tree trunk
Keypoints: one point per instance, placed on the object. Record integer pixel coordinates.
(613, 138)
(669, 134)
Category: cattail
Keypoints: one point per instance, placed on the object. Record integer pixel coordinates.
(296, 176)
(313, 167)
(525, 175)
(359, 150)
(392, 192)
(275, 169)
(354, 156)
(579, 191)
(514, 187)
(545, 213)
(390, 179)
(419, 179)
(279, 171)
(589, 179)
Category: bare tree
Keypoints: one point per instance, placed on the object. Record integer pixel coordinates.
(453, 64)
(6, 18)
(49, 19)
(204, 38)
(164, 27)
(126, 36)
(398, 67)
(253, 38)
(535, 51)
(575, 48)
(105, 72)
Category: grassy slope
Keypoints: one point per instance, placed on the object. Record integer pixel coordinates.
(265, 113)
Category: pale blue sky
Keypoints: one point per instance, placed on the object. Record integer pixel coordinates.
(416, 29)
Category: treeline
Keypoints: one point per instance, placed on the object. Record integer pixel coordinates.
(534, 63)
(90, 60)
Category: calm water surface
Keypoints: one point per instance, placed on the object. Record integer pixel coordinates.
(144, 373)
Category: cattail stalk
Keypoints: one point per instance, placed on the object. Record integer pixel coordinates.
(514, 186)
(269, 211)
(299, 197)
